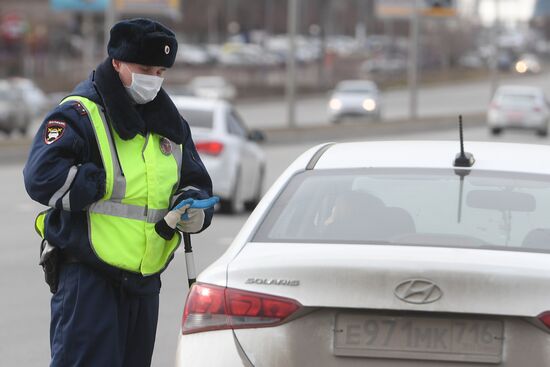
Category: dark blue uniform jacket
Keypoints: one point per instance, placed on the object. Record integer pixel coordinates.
(66, 139)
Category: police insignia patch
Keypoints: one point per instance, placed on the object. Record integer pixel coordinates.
(54, 131)
(165, 146)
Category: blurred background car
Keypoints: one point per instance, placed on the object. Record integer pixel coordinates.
(342, 259)
(212, 87)
(355, 98)
(519, 107)
(189, 54)
(228, 149)
(471, 60)
(528, 63)
(505, 61)
(35, 99)
(384, 67)
(15, 114)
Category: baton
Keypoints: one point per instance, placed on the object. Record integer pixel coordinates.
(189, 260)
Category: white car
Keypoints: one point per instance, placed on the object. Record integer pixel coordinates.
(385, 254)
(528, 63)
(230, 152)
(355, 98)
(214, 87)
(519, 107)
(15, 115)
(35, 100)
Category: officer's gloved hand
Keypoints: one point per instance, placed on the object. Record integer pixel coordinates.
(188, 216)
(192, 219)
(192, 222)
(174, 216)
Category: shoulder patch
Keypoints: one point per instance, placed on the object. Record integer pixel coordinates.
(80, 109)
(54, 131)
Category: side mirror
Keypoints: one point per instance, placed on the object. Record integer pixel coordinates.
(256, 135)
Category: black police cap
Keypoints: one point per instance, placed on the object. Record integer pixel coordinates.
(143, 41)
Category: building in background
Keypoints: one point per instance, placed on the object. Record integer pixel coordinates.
(242, 40)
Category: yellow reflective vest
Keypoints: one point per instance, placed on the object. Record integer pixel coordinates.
(142, 175)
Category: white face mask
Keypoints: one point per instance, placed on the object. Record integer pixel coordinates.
(144, 88)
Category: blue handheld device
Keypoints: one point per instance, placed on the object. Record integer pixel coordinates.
(197, 204)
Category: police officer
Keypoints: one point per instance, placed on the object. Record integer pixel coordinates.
(110, 162)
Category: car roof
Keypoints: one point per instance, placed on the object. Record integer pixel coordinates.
(208, 79)
(519, 89)
(511, 157)
(198, 103)
(357, 83)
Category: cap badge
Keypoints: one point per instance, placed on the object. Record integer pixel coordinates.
(165, 146)
(166, 49)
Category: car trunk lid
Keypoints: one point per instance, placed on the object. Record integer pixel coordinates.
(383, 277)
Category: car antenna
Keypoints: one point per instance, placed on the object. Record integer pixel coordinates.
(462, 159)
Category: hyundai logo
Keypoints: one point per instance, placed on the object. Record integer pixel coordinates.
(418, 291)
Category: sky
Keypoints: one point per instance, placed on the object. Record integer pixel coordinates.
(510, 10)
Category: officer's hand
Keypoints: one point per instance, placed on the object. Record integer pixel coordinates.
(192, 222)
(174, 215)
(188, 216)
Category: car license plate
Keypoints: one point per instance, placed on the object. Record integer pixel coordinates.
(515, 117)
(428, 338)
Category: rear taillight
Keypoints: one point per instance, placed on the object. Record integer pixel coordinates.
(209, 147)
(210, 307)
(537, 109)
(545, 318)
(494, 106)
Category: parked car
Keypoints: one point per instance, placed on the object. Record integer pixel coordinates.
(359, 98)
(505, 61)
(387, 67)
(519, 107)
(471, 60)
(239, 54)
(190, 54)
(35, 100)
(228, 149)
(212, 87)
(385, 254)
(14, 113)
(528, 63)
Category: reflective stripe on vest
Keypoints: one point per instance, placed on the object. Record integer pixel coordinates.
(141, 176)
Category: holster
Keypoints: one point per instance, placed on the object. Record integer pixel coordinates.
(50, 260)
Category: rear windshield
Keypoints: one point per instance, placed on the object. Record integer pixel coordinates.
(355, 89)
(198, 118)
(493, 210)
(517, 100)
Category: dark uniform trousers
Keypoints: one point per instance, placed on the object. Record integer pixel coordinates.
(96, 322)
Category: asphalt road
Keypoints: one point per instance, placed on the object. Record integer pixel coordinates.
(24, 305)
(467, 97)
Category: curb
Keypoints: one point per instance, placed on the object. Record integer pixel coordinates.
(367, 129)
(16, 150)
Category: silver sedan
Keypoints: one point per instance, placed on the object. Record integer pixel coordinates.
(355, 98)
(519, 107)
